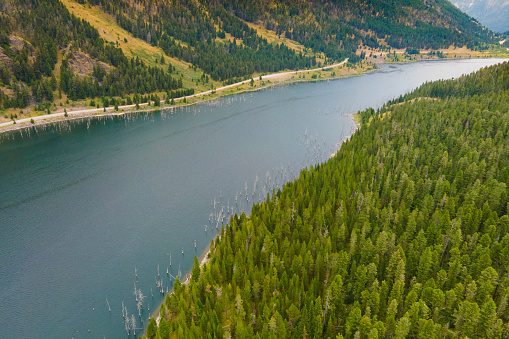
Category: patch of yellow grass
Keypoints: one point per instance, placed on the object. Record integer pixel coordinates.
(357, 119)
(227, 37)
(134, 47)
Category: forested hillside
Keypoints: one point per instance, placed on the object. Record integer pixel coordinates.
(32, 33)
(197, 34)
(46, 52)
(404, 233)
(337, 28)
(195, 30)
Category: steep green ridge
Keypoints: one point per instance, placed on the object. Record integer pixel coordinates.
(404, 233)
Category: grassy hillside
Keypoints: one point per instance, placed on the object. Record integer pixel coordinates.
(273, 37)
(403, 234)
(38, 36)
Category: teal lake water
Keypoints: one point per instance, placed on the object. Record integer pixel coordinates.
(84, 203)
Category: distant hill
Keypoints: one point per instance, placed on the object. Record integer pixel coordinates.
(334, 27)
(493, 14)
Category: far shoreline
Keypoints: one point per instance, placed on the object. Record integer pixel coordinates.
(263, 80)
(280, 79)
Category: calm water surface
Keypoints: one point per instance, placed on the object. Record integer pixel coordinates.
(84, 204)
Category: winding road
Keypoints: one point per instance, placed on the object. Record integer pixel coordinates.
(99, 110)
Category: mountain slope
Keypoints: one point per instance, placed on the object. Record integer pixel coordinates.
(493, 14)
(409, 23)
(333, 28)
(35, 34)
(131, 46)
(128, 50)
(198, 34)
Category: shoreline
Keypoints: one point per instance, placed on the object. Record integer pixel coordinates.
(278, 79)
(205, 253)
(203, 259)
(40, 120)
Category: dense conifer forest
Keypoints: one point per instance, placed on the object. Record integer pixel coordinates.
(402, 234)
(337, 28)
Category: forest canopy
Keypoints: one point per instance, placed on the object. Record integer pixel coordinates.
(404, 233)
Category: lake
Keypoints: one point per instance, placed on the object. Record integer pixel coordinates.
(85, 203)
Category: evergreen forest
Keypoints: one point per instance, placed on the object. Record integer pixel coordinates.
(402, 234)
